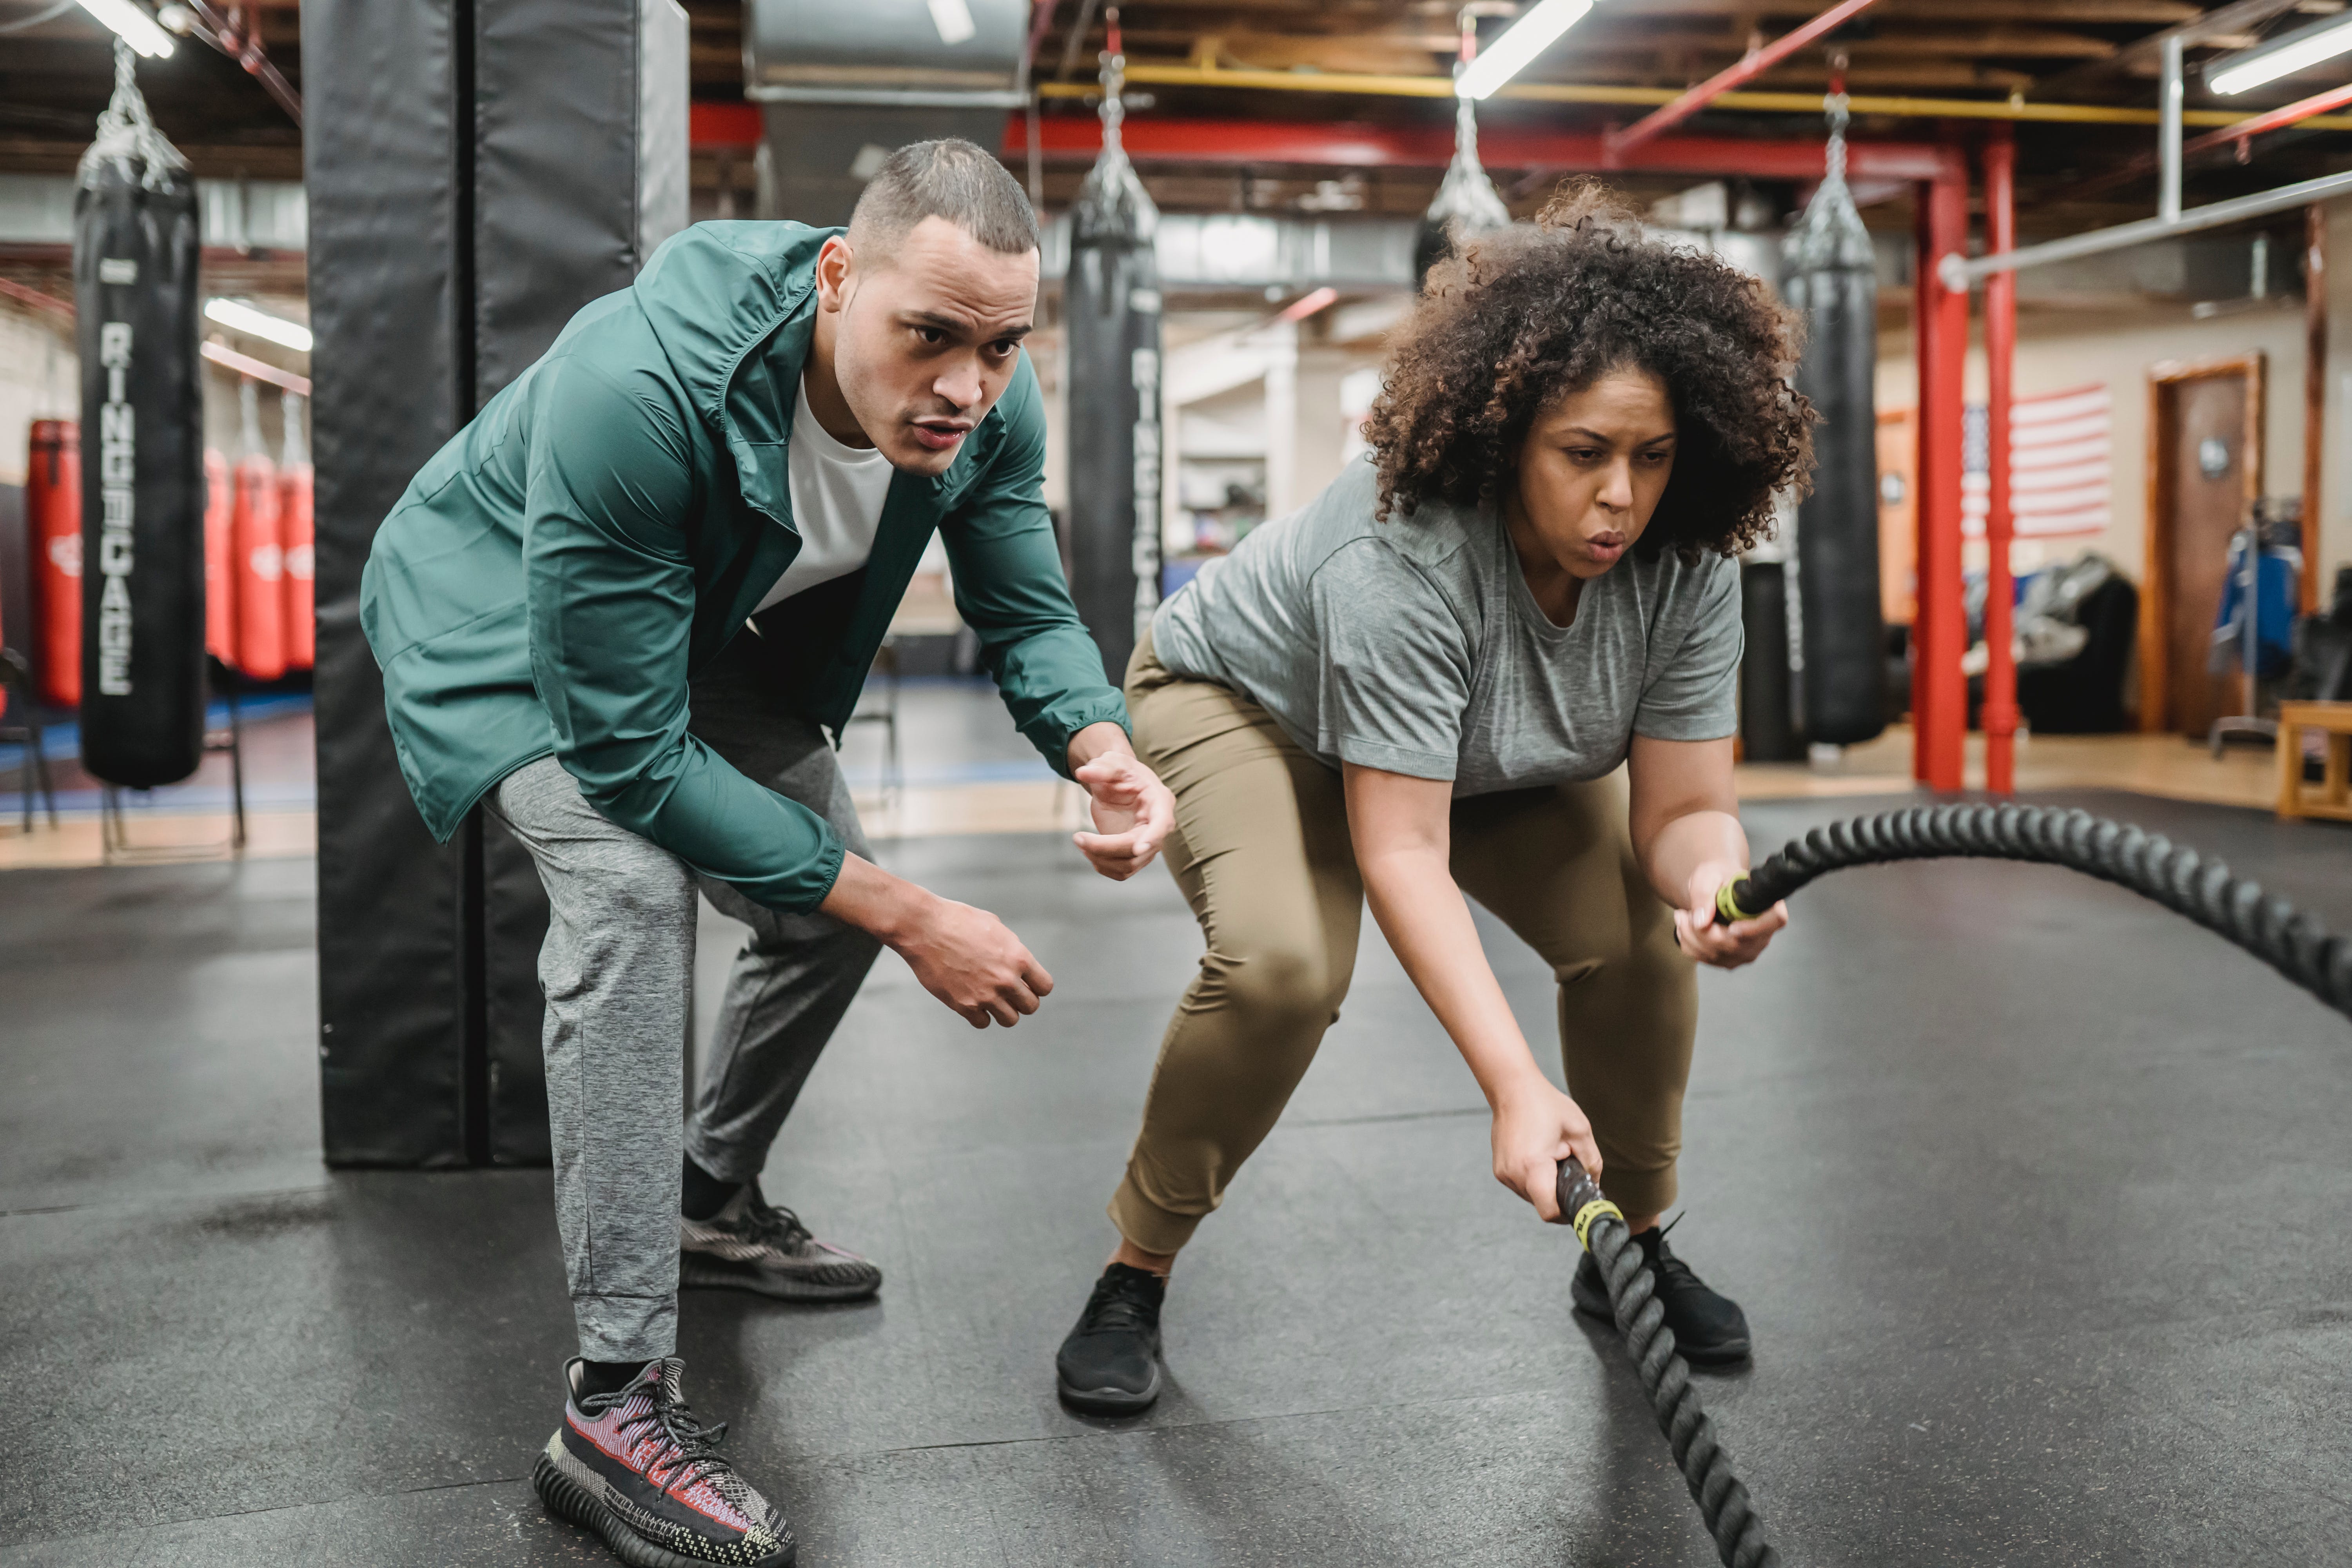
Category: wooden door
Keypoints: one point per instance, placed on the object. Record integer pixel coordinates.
(2205, 470)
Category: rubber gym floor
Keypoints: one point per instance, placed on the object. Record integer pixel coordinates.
(2036, 1194)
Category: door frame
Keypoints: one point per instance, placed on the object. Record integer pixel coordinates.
(2155, 585)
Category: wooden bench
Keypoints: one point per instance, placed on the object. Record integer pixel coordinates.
(2333, 796)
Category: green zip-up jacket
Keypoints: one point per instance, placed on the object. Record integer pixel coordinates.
(557, 574)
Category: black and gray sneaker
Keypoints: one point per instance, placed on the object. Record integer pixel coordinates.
(637, 1468)
(1110, 1363)
(750, 1244)
(1709, 1329)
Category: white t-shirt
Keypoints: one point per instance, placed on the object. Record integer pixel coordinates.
(837, 493)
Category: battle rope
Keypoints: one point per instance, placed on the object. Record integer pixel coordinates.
(1723, 1502)
(2149, 864)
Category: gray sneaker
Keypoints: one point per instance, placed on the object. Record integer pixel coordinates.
(750, 1244)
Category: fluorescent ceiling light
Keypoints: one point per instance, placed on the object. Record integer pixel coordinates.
(2281, 56)
(137, 28)
(237, 316)
(1525, 38)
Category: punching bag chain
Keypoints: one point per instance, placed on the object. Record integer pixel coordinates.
(126, 131)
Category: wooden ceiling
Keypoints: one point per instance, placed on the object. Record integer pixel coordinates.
(54, 77)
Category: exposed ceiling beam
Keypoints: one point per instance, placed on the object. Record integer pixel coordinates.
(2143, 56)
(2108, 13)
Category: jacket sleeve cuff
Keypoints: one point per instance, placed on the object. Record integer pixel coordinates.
(1054, 735)
(827, 870)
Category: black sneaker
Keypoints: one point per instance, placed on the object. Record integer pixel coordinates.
(1110, 1363)
(1709, 1329)
(751, 1244)
(640, 1470)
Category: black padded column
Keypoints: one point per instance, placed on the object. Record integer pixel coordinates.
(544, 143)
(391, 311)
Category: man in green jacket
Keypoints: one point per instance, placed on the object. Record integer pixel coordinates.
(766, 428)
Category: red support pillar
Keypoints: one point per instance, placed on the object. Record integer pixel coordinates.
(1938, 690)
(2001, 361)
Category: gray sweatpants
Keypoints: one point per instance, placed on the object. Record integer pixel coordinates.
(617, 970)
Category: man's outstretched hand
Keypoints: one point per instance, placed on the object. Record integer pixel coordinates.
(1132, 810)
(965, 957)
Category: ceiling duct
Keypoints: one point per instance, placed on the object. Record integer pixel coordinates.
(842, 86)
(894, 54)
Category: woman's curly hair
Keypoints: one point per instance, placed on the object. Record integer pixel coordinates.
(1531, 313)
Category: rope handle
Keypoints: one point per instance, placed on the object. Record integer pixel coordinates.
(1581, 1203)
(1732, 899)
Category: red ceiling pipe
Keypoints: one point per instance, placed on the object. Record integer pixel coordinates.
(2242, 134)
(2276, 120)
(1259, 141)
(2001, 363)
(711, 126)
(1077, 138)
(1940, 693)
(1751, 65)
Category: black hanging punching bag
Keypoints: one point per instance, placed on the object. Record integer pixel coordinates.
(1111, 298)
(1829, 275)
(135, 253)
(1465, 205)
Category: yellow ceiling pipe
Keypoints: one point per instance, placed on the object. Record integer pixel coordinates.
(1649, 97)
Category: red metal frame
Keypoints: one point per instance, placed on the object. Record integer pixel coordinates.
(2001, 361)
(1751, 65)
(1077, 138)
(1939, 695)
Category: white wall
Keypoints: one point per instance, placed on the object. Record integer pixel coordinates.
(39, 380)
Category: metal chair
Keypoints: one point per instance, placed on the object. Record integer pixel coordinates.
(883, 709)
(24, 707)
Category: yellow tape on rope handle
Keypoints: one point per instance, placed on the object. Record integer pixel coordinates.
(1726, 901)
(1585, 1217)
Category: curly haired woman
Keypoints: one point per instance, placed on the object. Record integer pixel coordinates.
(1422, 686)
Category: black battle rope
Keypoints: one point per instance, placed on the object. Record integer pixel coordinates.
(1722, 1502)
(2149, 864)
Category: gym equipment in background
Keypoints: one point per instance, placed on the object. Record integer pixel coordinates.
(52, 540)
(2254, 621)
(2149, 864)
(135, 256)
(220, 589)
(257, 555)
(1465, 205)
(1767, 675)
(1828, 274)
(1111, 302)
(296, 532)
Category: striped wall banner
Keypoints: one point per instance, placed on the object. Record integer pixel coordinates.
(2061, 467)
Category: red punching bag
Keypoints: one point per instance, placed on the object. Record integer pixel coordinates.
(295, 532)
(53, 534)
(220, 584)
(257, 556)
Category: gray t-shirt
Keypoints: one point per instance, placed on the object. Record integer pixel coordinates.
(1413, 645)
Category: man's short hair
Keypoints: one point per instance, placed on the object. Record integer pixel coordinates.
(949, 178)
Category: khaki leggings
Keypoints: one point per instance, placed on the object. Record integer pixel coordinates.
(1261, 849)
